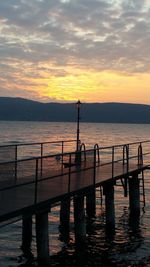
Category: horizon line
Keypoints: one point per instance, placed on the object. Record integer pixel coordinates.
(72, 102)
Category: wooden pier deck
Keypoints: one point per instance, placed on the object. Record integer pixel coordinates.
(29, 185)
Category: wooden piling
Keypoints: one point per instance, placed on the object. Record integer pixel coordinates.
(108, 190)
(91, 203)
(65, 219)
(26, 236)
(42, 239)
(134, 195)
(79, 218)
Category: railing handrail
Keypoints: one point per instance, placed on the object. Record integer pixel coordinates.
(38, 143)
(74, 152)
(62, 153)
(71, 140)
(128, 144)
(46, 156)
(69, 170)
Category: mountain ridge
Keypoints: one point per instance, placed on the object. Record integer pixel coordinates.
(21, 109)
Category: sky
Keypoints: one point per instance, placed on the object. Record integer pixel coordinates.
(65, 50)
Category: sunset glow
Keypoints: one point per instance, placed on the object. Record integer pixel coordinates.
(60, 51)
(98, 87)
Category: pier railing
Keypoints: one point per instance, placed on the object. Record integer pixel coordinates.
(48, 166)
(64, 172)
(14, 152)
(137, 153)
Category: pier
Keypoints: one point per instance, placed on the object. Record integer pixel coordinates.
(32, 185)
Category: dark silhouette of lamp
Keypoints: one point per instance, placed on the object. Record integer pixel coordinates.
(77, 159)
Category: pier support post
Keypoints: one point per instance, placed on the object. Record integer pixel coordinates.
(108, 190)
(42, 239)
(79, 219)
(134, 195)
(91, 203)
(65, 219)
(27, 236)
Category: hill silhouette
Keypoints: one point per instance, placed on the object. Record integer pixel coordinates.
(19, 109)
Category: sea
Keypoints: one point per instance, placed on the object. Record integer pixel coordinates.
(128, 246)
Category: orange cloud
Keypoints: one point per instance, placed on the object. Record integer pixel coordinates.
(105, 86)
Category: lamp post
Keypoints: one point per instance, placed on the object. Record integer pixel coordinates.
(78, 104)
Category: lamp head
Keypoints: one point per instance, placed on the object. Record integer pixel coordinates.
(78, 104)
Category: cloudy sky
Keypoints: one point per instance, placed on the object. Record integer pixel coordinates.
(64, 50)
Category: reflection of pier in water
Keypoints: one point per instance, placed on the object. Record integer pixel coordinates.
(30, 186)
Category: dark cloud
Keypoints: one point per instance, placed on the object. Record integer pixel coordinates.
(97, 34)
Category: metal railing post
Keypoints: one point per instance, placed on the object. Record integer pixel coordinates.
(16, 165)
(124, 150)
(62, 151)
(113, 157)
(127, 177)
(125, 154)
(36, 181)
(94, 161)
(140, 155)
(41, 159)
(96, 146)
(127, 158)
(69, 177)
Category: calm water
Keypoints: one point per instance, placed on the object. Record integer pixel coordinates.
(130, 246)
